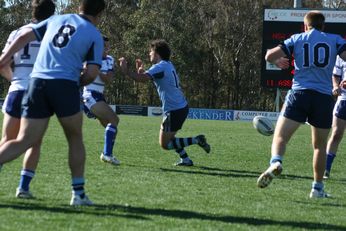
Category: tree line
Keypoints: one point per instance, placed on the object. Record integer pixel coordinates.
(216, 46)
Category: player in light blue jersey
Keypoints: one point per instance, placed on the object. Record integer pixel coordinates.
(174, 104)
(339, 114)
(68, 41)
(310, 98)
(23, 62)
(95, 105)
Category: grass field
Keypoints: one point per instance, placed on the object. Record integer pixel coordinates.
(148, 193)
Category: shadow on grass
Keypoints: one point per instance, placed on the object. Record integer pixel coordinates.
(185, 215)
(65, 209)
(227, 172)
(141, 213)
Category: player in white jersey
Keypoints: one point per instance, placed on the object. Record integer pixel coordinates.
(95, 105)
(310, 98)
(23, 62)
(339, 115)
(174, 104)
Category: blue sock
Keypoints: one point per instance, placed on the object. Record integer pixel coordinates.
(180, 143)
(275, 158)
(110, 133)
(330, 158)
(26, 176)
(78, 186)
(317, 185)
(182, 153)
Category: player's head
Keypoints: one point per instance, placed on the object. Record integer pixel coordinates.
(42, 9)
(92, 7)
(106, 46)
(159, 48)
(314, 20)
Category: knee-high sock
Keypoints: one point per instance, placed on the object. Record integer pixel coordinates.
(110, 134)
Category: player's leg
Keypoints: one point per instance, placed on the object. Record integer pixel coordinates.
(284, 130)
(10, 128)
(320, 119)
(319, 143)
(338, 128)
(72, 126)
(166, 137)
(67, 108)
(109, 119)
(294, 113)
(12, 114)
(31, 131)
(30, 163)
(174, 121)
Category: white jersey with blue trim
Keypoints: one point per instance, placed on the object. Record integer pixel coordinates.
(314, 55)
(68, 41)
(167, 84)
(23, 61)
(340, 70)
(98, 85)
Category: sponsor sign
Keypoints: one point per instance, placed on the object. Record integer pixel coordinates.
(131, 110)
(249, 115)
(210, 114)
(155, 111)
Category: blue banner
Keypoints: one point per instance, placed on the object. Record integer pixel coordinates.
(210, 114)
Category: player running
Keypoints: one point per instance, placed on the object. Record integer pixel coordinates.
(310, 98)
(95, 105)
(67, 42)
(23, 62)
(174, 104)
(339, 117)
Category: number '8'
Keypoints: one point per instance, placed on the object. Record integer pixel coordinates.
(63, 36)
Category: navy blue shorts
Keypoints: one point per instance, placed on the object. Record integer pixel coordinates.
(13, 104)
(45, 97)
(90, 98)
(174, 120)
(309, 106)
(340, 109)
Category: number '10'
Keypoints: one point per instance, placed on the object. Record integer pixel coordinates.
(318, 48)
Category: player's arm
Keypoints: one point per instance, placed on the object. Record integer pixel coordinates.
(278, 57)
(107, 71)
(139, 76)
(89, 74)
(26, 36)
(6, 72)
(107, 77)
(336, 84)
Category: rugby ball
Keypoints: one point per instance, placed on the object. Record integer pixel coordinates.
(263, 125)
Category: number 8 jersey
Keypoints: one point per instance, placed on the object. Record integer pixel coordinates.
(314, 55)
(23, 61)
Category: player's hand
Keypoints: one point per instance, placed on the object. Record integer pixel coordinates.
(343, 84)
(336, 91)
(282, 63)
(139, 66)
(123, 65)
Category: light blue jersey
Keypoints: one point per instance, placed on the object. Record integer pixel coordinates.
(166, 81)
(67, 41)
(314, 55)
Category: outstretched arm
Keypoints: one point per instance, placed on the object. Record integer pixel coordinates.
(139, 76)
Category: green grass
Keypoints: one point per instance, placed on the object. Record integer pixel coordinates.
(148, 193)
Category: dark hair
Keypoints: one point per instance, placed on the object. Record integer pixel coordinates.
(42, 9)
(161, 47)
(106, 39)
(315, 19)
(92, 7)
